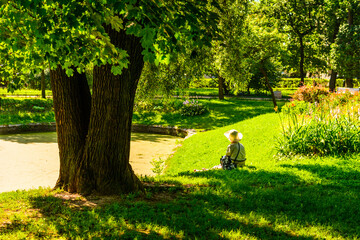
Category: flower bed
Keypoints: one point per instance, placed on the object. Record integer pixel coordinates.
(328, 127)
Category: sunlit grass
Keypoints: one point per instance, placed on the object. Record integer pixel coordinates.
(220, 114)
(24, 92)
(295, 198)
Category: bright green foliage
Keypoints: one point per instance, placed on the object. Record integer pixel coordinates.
(222, 57)
(262, 46)
(346, 51)
(72, 33)
(299, 20)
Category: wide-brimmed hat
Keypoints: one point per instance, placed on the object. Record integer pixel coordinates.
(233, 135)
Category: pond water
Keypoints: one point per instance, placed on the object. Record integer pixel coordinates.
(31, 160)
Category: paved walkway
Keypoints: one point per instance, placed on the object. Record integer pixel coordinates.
(32, 160)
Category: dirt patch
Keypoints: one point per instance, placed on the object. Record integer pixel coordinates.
(32, 160)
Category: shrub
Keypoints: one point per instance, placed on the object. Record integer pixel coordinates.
(163, 105)
(294, 82)
(310, 94)
(296, 107)
(320, 137)
(192, 108)
(331, 127)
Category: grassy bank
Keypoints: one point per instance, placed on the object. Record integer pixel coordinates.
(292, 198)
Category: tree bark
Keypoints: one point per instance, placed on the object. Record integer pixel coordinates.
(349, 80)
(94, 131)
(72, 101)
(349, 83)
(226, 89)
(221, 88)
(302, 57)
(263, 71)
(43, 86)
(332, 83)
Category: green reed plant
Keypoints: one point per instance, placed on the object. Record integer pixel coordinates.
(326, 128)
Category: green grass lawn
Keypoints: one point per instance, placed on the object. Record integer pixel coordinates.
(291, 198)
(220, 113)
(16, 110)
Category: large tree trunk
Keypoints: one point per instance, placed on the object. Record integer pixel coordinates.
(108, 144)
(221, 88)
(94, 150)
(263, 71)
(71, 96)
(332, 83)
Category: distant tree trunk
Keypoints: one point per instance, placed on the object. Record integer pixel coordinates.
(221, 87)
(94, 142)
(332, 83)
(263, 71)
(302, 58)
(333, 76)
(226, 88)
(43, 85)
(349, 83)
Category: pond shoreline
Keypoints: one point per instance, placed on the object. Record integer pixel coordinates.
(137, 128)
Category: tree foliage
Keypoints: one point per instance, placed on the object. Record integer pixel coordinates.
(72, 33)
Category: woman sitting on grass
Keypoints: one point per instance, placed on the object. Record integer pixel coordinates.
(235, 150)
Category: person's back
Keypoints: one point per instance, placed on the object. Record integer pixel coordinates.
(235, 150)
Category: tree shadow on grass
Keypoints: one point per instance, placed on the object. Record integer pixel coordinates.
(202, 213)
(179, 218)
(286, 196)
(243, 203)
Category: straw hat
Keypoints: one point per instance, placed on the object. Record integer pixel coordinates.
(233, 135)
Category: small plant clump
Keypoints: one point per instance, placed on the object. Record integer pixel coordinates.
(192, 108)
(331, 127)
(158, 166)
(310, 93)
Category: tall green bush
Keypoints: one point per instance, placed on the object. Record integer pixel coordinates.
(331, 127)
